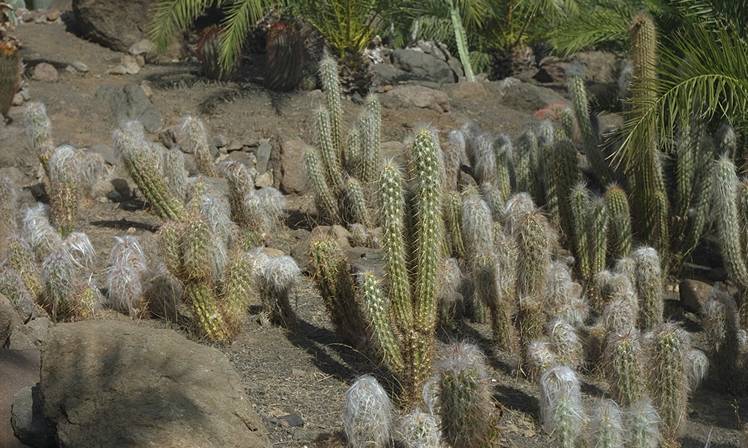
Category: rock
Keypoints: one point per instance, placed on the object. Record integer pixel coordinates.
(593, 66)
(118, 69)
(609, 123)
(421, 66)
(20, 340)
(113, 23)
(263, 153)
(53, 14)
(130, 103)
(119, 383)
(45, 72)
(131, 64)
(416, 96)
(27, 419)
(264, 180)
(526, 97)
(17, 99)
(9, 320)
(18, 369)
(386, 73)
(291, 421)
(292, 172)
(142, 47)
(469, 91)
(694, 294)
(340, 233)
(37, 330)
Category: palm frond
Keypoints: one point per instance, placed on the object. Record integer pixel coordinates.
(715, 14)
(701, 74)
(241, 16)
(586, 29)
(173, 16)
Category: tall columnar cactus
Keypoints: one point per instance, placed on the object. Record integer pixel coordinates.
(561, 410)
(328, 73)
(590, 140)
(324, 198)
(64, 181)
(144, 166)
(650, 199)
(453, 223)
(599, 223)
(579, 200)
(642, 424)
(504, 158)
(484, 159)
(649, 287)
(721, 327)
(465, 402)
(477, 233)
(534, 254)
(501, 283)
(367, 415)
(461, 39)
(370, 128)
(39, 132)
(624, 366)
(619, 224)
(563, 177)
(355, 202)
(668, 379)
(730, 226)
(606, 425)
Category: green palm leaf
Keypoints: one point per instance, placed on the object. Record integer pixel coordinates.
(241, 16)
(174, 16)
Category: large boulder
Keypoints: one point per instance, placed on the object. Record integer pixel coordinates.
(428, 62)
(115, 24)
(128, 103)
(416, 96)
(119, 383)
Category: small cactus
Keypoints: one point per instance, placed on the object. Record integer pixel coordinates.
(721, 328)
(606, 425)
(579, 199)
(370, 126)
(40, 234)
(642, 425)
(697, 365)
(624, 360)
(619, 240)
(484, 165)
(649, 287)
(127, 264)
(561, 411)
(598, 235)
(193, 138)
(566, 344)
(355, 203)
(540, 357)
(562, 297)
(324, 198)
(504, 166)
(237, 290)
(419, 429)
(564, 176)
(39, 132)
(465, 397)
(367, 415)
(590, 140)
(453, 223)
(533, 248)
(279, 274)
(21, 260)
(65, 172)
(8, 209)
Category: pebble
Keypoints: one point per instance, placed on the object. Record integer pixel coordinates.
(264, 180)
(17, 99)
(146, 86)
(131, 64)
(143, 46)
(80, 66)
(291, 420)
(53, 15)
(45, 72)
(117, 70)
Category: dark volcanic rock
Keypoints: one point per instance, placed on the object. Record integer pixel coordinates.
(115, 24)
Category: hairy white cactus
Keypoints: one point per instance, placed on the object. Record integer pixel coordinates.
(367, 416)
(561, 410)
(419, 429)
(125, 270)
(39, 233)
(642, 425)
(565, 343)
(606, 426)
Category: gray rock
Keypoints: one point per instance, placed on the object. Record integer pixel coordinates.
(593, 66)
(45, 72)
(37, 330)
(18, 369)
(264, 180)
(292, 173)
(130, 103)
(28, 421)
(527, 97)
(113, 23)
(120, 383)
(694, 294)
(263, 153)
(142, 47)
(422, 66)
(80, 66)
(416, 96)
(17, 99)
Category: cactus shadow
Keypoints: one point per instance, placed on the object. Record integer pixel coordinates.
(124, 224)
(517, 400)
(689, 442)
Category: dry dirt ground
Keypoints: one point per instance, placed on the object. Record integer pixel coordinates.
(305, 371)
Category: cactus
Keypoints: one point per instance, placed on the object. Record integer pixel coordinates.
(39, 132)
(8, 209)
(64, 177)
(579, 199)
(40, 234)
(125, 270)
(721, 328)
(328, 73)
(193, 138)
(562, 297)
(58, 274)
(367, 415)
(21, 260)
(324, 198)
(237, 290)
(484, 164)
(566, 344)
(497, 281)
(144, 166)
(566, 116)
(370, 126)
(642, 425)
(355, 203)
(619, 240)
(606, 425)
(620, 315)
(590, 140)
(697, 366)
(353, 155)
(477, 233)
(504, 158)
(561, 411)
(176, 174)
(624, 367)
(453, 223)
(649, 287)
(668, 380)
(419, 429)
(465, 397)
(533, 247)
(540, 357)
(598, 235)
(564, 176)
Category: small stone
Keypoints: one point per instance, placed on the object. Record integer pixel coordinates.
(131, 64)
(140, 60)
(53, 15)
(263, 155)
(40, 19)
(291, 420)
(25, 94)
(17, 99)
(146, 86)
(27, 17)
(264, 180)
(117, 70)
(45, 72)
(235, 145)
(143, 46)
(80, 66)
(220, 141)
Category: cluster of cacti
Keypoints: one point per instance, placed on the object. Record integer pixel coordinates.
(402, 318)
(342, 169)
(726, 341)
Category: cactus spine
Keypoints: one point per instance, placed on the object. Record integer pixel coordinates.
(453, 222)
(620, 222)
(607, 425)
(649, 287)
(579, 206)
(624, 370)
(356, 203)
(642, 425)
(324, 198)
(590, 140)
(328, 71)
(561, 409)
(598, 231)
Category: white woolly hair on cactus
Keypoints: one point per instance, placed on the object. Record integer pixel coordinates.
(37, 126)
(614, 286)
(281, 274)
(540, 356)
(456, 140)
(273, 202)
(65, 164)
(367, 415)
(217, 213)
(561, 410)
(517, 207)
(697, 367)
(545, 132)
(94, 171)
(715, 316)
(477, 228)
(566, 343)
(619, 316)
(129, 140)
(562, 296)
(258, 259)
(38, 232)
(642, 424)
(8, 206)
(176, 173)
(627, 267)
(419, 429)
(606, 425)
(81, 250)
(58, 273)
(451, 276)
(191, 134)
(462, 355)
(125, 270)
(484, 165)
